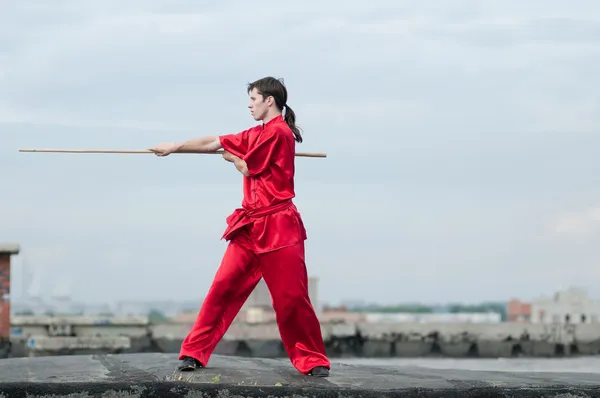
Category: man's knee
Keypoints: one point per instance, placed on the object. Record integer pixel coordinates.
(236, 267)
(220, 290)
(290, 302)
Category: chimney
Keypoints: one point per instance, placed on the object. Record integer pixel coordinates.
(6, 251)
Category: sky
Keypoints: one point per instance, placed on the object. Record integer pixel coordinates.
(461, 139)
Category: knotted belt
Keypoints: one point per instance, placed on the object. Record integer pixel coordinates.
(242, 217)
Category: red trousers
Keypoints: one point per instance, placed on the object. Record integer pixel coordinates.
(284, 272)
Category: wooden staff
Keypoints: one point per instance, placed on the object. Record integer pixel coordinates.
(146, 151)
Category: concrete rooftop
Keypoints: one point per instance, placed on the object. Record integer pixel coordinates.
(9, 248)
(154, 375)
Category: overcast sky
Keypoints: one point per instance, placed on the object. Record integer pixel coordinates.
(461, 140)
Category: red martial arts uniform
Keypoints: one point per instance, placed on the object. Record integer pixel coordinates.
(266, 239)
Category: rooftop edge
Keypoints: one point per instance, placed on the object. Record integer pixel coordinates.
(9, 248)
(155, 375)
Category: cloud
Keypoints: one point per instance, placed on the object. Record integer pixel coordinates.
(580, 224)
(454, 131)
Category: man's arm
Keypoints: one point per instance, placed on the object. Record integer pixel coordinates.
(200, 145)
(239, 163)
(197, 145)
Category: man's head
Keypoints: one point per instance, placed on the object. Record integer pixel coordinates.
(268, 96)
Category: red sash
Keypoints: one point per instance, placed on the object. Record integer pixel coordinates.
(242, 217)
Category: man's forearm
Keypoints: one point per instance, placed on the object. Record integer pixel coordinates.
(200, 145)
(241, 165)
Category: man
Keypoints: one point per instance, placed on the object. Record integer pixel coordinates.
(266, 236)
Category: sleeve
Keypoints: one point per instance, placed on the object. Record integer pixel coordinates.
(236, 144)
(263, 153)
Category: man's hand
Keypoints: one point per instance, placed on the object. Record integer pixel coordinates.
(165, 149)
(228, 156)
(239, 163)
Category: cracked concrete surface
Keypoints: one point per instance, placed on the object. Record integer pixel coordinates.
(155, 375)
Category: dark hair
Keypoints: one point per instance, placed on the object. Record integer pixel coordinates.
(272, 87)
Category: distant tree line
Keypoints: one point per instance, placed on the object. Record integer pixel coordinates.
(154, 316)
(453, 308)
(390, 309)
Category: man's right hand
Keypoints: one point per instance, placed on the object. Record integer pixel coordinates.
(165, 149)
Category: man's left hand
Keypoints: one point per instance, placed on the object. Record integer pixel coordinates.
(228, 156)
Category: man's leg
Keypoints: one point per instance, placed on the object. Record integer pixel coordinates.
(235, 279)
(284, 272)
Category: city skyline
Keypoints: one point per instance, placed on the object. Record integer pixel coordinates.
(32, 283)
(31, 290)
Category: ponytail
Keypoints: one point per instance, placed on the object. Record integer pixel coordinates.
(290, 119)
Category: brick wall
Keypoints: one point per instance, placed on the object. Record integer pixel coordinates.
(518, 311)
(4, 296)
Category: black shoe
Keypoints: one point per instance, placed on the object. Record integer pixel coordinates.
(319, 371)
(189, 364)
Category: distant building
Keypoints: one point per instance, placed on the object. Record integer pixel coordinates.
(340, 315)
(518, 311)
(313, 291)
(261, 297)
(569, 306)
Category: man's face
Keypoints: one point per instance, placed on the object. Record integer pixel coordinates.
(258, 105)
